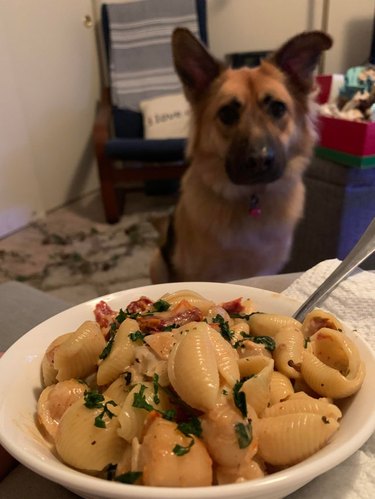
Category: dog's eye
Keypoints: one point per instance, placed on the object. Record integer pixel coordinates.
(275, 108)
(230, 113)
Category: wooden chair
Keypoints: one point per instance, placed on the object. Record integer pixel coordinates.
(124, 156)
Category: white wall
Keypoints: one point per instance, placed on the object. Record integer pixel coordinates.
(350, 22)
(254, 25)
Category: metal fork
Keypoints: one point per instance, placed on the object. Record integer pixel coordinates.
(363, 249)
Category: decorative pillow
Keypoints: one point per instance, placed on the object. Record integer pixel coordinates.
(166, 117)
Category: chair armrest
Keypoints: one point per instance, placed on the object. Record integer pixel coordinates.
(103, 120)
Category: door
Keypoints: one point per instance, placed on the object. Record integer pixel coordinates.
(50, 91)
(20, 200)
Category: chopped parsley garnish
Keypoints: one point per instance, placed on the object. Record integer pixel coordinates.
(107, 349)
(137, 335)
(94, 400)
(225, 331)
(121, 316)
(267, 341)
(99, 421)
(239, 397)
(188, 428)
(191, 427)
(129, 477)
(155, 383)
(244, 434)
(129, 315)
(113, 328)
(119, 319)
(180, 450)
(161, 305)
(140, 402)
(169, 414)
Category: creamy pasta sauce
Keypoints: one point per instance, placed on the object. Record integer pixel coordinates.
(185, 392)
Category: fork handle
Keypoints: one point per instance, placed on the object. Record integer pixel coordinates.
(363, 249)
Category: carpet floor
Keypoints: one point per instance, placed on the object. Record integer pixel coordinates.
(74, 255)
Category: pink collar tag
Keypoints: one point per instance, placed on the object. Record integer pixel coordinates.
(255, 212)
(254, 209)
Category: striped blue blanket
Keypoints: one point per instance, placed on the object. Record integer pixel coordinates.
(141, 64)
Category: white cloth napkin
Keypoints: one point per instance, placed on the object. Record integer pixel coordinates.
(353, 301)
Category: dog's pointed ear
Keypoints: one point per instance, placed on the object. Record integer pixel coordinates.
(299, 56)
(195, 66)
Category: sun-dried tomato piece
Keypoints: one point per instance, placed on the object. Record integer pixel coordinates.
(138, 306)
(104, 314)
(234, 306)
(181, 314)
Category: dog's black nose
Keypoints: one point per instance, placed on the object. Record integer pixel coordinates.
(262, 159)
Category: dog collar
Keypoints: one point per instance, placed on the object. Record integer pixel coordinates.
(254, 208)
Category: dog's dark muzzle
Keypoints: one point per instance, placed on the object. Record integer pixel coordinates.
(247, 164)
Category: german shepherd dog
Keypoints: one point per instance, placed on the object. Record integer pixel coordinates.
(252, 136)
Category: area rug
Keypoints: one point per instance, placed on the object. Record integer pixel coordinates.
(75, 259)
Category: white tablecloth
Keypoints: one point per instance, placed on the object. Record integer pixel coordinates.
(354, 302)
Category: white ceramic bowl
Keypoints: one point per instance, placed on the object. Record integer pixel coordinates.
(20, 385)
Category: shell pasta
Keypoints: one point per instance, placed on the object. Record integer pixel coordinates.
(186, 392)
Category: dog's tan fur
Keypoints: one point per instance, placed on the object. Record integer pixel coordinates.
(215, 238)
